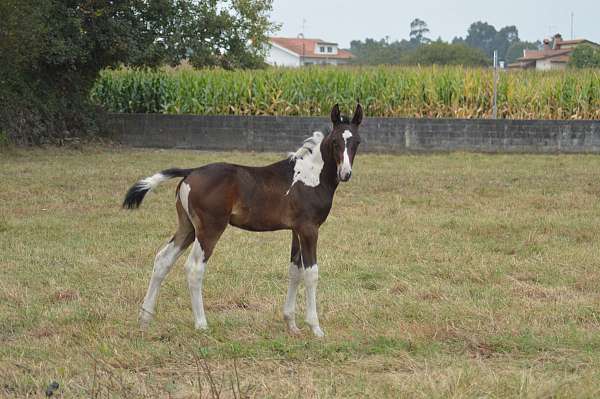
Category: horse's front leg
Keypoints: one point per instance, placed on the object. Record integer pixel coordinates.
(295, 275)
(308, 247)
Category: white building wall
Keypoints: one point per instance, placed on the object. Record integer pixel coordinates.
(279, 57)
(546, 65)
(543, 65)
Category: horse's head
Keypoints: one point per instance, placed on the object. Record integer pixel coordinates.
(345, 140)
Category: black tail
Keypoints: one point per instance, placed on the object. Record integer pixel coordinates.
(137, 192)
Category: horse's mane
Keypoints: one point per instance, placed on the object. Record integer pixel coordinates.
(315, 140)
(307, 147)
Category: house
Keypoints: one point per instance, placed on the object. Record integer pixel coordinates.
(555, 54)
(295, 52)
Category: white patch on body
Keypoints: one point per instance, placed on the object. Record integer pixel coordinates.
(345, 168)
(184, 194)
(309, 162)
(194, 267)
(164, 261)
(150, 183)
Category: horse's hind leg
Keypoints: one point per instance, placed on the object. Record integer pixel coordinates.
(295, 275)
(208, 231)
(164, 261)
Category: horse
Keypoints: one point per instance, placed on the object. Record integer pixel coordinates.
(293, 194)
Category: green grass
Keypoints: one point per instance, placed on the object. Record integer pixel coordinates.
(457, 275)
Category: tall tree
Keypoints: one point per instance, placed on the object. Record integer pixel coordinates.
(481, 35)
(418, 30)
(51, 51)
(485, 37)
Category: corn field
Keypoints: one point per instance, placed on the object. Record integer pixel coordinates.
(421, 92)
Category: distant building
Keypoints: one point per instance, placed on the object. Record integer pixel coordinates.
(295, 52)
(555, 54)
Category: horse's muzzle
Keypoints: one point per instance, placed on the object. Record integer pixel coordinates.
(345, 176)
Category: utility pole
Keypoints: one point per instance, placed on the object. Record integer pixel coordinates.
(495, 109)
(572, 34)
(303, 50)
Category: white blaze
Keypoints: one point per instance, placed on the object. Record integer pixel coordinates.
(346, 167)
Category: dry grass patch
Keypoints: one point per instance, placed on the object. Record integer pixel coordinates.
(459, 275)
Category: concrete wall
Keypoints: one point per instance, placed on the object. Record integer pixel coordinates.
(390, 135)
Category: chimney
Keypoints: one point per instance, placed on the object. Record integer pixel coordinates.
(546, 44)
(557, 40)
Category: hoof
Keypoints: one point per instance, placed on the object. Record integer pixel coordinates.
(318, 332)
(291, 324)
(293, 330)
(144, 324)
(144, 320)
(201, 326)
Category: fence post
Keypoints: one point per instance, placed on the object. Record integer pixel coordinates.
(495, 110)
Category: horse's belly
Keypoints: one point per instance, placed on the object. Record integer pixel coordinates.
(255, 225)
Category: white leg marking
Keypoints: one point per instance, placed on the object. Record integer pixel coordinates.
(165, 259)
(195, 267)
(184, 194)
(289, 309)
(311, 277)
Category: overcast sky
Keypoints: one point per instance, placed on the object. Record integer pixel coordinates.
(343, 21)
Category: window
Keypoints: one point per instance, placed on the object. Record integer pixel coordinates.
(329, 49)
(322, 49)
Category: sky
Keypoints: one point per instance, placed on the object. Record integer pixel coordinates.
(344, 21)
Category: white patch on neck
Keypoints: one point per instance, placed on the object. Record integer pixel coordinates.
(309, 162)
(184, 193)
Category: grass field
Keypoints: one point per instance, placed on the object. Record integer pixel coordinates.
(456, 275)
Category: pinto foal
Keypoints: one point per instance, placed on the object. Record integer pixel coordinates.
(294, 194)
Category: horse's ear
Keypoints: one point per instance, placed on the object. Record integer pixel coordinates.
(358, 115)
(336, 117)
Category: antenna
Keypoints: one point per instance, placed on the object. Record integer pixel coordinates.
(572, 16)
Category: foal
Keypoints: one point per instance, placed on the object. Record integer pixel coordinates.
(294, 194)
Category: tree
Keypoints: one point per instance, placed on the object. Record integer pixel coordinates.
(516, 49)
(377, 52)
(439, 53)
(485, 37)
(585, 56)
(418, 30)
(505, 38)
(481, 35)
(51, 51)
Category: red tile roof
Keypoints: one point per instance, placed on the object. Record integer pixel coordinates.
(295, 45)
(532, 55)
(576, 41)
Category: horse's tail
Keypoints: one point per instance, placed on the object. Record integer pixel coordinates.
(138, 191)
